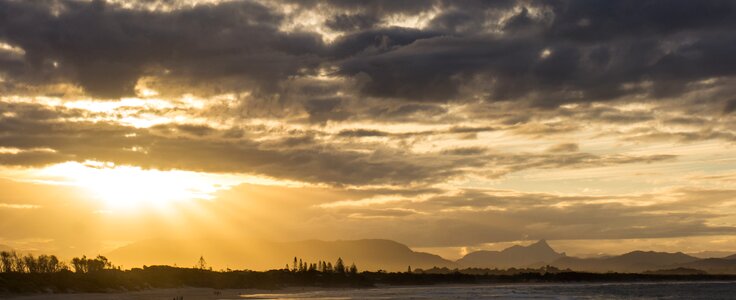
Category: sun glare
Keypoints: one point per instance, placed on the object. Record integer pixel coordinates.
(121, 187)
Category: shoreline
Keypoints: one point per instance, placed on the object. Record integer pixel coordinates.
(194, 293)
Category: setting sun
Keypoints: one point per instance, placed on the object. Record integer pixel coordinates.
(127, 187)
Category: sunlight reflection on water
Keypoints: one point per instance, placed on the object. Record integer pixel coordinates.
(661, 290)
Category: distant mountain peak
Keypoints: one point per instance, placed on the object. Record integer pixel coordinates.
(538, 247)
(515, 256)
(540, 244)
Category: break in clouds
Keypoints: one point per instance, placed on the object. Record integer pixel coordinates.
(483, 121)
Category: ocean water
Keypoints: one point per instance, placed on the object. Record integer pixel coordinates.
(659, 290)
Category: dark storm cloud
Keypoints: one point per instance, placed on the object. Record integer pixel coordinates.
(105, 48)
(589, 56)
(377, 41)
(546, 52)
(375, 7)
(548, 72)
(433, 69)
(467, 17)
(605, 20)
(345, 22)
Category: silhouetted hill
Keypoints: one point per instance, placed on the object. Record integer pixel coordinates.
(712, 254)
(370, 254)
(677, 271)
(375, 254)
(731, 257)
(539, 253)
(713, 265)
(636, 261)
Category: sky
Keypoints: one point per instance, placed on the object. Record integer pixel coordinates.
(450, 126)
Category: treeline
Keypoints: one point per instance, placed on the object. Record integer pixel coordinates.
(11, 262)
(322, 267)
(87, 265)
(99, 275)
(28, 274)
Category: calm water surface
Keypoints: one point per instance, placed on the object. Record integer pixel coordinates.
(668, 290)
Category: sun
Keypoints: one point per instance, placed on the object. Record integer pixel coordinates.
(126, 187)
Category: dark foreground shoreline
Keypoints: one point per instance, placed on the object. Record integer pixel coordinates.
(165, 277)
(567, 290)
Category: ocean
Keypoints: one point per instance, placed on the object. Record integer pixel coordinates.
(639, 290)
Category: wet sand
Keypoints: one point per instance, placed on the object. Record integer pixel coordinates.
(154, 294)
(167, 294)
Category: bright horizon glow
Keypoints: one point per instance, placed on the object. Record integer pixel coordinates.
(128, 187)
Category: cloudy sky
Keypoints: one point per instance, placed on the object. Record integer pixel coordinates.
(602, 126)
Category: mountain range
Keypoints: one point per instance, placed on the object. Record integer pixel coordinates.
(367, 254)
(377, 254)
(539, 253)
(636, 261)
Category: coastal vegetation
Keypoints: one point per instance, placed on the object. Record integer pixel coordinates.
(47, 274)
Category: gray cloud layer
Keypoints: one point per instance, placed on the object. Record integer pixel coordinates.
(297, 155)
(548, 52)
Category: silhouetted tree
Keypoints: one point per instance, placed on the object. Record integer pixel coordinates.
(339, 266)
(86, 265)
(408, 270)
(201, 264)
(353, 269)
(98, 264)
(80, 264)
(17, 262)
(7, 263)
(30, 263)
(11, 262)
(43, 262)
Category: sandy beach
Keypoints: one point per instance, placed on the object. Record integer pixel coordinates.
(154, 294)
(169, 294)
